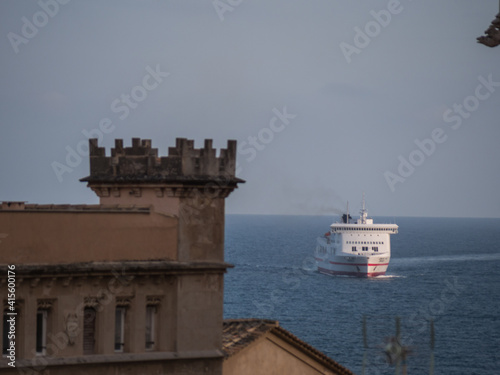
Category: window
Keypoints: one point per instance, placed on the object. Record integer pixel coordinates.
(375, 248)
(89, 321)
(41, 331)
(119, 328)
(150, 327)
(354, 248)
(365, 248)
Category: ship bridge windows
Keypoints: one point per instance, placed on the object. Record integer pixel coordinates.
(368, 229)
(364, 242)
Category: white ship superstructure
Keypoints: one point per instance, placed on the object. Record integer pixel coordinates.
(360, 248)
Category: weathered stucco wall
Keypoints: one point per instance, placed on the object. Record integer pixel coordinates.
(79, 236)
(272, 356)
(138, 366)
(199, 314)
(188, 303)
(201, 229)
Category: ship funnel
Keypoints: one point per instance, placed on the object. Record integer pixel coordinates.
(346, 218)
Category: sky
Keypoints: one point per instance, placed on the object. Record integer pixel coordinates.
(327, 99)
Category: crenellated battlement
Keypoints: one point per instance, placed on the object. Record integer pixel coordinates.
(140, 163)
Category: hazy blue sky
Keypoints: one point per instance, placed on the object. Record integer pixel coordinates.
(326, 98)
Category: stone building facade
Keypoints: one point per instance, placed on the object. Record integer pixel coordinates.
(133, 285)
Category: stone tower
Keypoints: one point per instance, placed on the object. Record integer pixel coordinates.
(190, 184)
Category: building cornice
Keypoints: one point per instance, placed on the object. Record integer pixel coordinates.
(150, 268)
(120, 358)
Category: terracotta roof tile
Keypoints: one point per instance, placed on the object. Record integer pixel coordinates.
(239, 333)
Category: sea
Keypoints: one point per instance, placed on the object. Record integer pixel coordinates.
(440, 296)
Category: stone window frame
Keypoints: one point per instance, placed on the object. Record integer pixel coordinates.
(89, 304)
(119, 336)
(122, 306)
(152, 307)
(43, 311)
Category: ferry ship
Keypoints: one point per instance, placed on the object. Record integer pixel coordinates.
(359, 248)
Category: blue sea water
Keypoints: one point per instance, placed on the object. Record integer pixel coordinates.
(444, 270)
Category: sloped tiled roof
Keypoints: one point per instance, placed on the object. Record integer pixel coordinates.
(238, 334)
